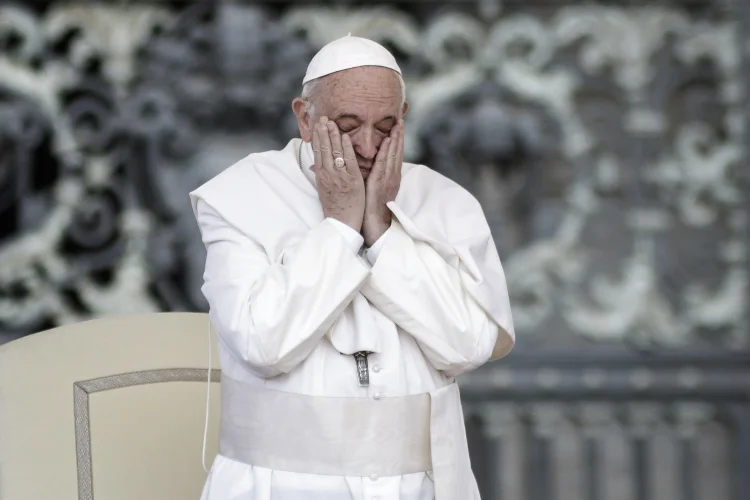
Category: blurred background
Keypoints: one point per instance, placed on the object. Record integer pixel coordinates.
(605, 140)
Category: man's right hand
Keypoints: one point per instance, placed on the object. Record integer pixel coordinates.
(341, 190)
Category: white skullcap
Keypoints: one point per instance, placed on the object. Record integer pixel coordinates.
(346, 53)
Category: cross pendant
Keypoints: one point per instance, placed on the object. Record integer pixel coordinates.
(363, 371)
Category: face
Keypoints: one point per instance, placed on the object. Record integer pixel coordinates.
(364, 102)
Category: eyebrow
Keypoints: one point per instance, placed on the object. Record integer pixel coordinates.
(355, 117)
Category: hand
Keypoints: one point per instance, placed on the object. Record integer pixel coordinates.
(341, 190)
(382, 185)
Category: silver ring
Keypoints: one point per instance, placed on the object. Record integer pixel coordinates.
(339, 162)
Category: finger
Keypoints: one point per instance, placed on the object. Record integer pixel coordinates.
(316, 147)
(378, 169)
(337, 150)
(400, 150)
(325, 146)
(349, 156)
(390, 163)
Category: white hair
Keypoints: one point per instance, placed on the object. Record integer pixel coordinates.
(309, 91)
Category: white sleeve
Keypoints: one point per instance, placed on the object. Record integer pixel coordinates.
(353, 238)
(372, 253)
(273, 314)
(423, 294)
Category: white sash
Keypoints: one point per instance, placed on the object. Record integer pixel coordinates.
(354, 437)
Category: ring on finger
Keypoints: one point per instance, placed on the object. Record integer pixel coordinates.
(339, 162)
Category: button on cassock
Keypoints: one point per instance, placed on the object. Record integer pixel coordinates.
(377, 395)
(374, 477)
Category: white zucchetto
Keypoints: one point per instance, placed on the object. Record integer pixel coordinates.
(346, 53)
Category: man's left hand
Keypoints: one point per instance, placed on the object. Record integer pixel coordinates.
(382, 185)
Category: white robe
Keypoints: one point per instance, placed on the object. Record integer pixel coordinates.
(289, 293)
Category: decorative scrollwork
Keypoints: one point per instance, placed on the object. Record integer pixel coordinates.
(604, 144)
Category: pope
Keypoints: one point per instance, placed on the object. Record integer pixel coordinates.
(348, 290)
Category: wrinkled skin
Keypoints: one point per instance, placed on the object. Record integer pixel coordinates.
(359, 117)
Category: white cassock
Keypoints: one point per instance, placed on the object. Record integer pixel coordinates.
(292, 296)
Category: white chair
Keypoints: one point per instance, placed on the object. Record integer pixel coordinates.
(108, 409)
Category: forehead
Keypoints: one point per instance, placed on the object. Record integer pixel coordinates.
(364, 91)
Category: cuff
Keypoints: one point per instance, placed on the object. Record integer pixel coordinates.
(372, 253)
(353, 239)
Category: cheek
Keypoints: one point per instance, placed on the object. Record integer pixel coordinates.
(379, 137)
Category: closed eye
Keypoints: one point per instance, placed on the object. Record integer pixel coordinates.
(386, 124)
(347, 122)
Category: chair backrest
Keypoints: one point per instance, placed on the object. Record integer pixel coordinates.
(108, 409)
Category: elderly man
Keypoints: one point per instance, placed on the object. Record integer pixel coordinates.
(348, 290)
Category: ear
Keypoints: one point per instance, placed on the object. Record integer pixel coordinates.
(404, 108)
(299, 106)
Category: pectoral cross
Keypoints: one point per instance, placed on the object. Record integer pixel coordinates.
(363, 371)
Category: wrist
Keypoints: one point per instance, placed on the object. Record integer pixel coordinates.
(373, 231)
(352, 222)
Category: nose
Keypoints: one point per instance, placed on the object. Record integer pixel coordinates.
(366, 145)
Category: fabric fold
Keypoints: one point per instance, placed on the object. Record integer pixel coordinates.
(451, 465)
(472, 252)
(356, 329)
